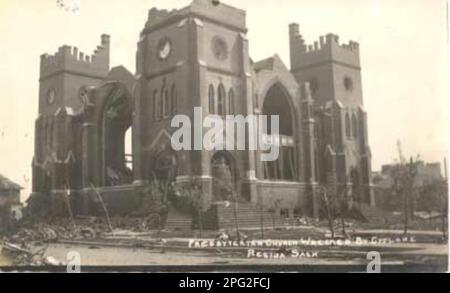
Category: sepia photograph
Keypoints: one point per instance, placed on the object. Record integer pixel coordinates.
(224, 136)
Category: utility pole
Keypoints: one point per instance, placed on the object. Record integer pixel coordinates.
(409, 189)
(402, 182)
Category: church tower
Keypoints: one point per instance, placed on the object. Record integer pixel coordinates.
(192, 57)
(63, 76)
(333, 71)
(64, 73)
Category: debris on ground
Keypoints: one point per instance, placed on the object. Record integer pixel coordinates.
(223, 236)
(301, 221)
(24, 254)
(26, 243)
(243, 236)
(51, 261)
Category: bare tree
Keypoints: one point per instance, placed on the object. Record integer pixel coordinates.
(234, 201)
(329, 208)
(331, 201)
(343, 208)
(66, 197)
(155, 200)
(261, 219)
(236, 222)
(105, 209)
(229, 187)
(404, 175)
(336, 204)
(275, 207)
(196, 195)
(193, 195)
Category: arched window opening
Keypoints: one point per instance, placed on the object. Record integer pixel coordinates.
(116, 139)
(355, 126)
(221, 100)
(211, 99)
(165, 102)
(129, 149)
(223, 175)
(348, 131)
(174, 100)
(355, 180)
(317, 165)
(231, 102)
(277, 103)
(156, 105)
(165, 168)
(165, 172)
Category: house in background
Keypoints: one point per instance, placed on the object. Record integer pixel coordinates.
(9, 198)
(427, 173)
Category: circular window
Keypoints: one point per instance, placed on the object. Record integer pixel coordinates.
(51, 96)
(164, 48)
(348, 83)
(219, 48)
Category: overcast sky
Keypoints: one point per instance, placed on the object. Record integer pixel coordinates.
(403, 54)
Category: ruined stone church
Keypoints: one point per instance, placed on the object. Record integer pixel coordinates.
(198, 56)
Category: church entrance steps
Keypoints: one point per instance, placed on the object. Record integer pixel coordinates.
(221, 216)
(178, 221)
(248, 216)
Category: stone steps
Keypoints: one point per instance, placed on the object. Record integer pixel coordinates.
(248, 215)
(178, 221)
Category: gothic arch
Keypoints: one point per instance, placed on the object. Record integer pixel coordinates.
(231, 107)
(166, 108)
(211, 100)
(221, 100)
(283, 84)
(156, 103)
(114, 118)
(164, 167)
(174, 98)
(348, 130)
(277, 101)
(355, 179)
(224, 173)
(354, 126)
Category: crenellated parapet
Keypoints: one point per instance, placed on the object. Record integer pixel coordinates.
(326, 49)
(70, 60)
(156, 16)
(207, 10)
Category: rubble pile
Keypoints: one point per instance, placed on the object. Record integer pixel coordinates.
(27, 245)
(29, 240)
(44, 232)
(25, 254)
(137, 224)
(82, 228)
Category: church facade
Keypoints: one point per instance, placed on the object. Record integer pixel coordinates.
(198, 56)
